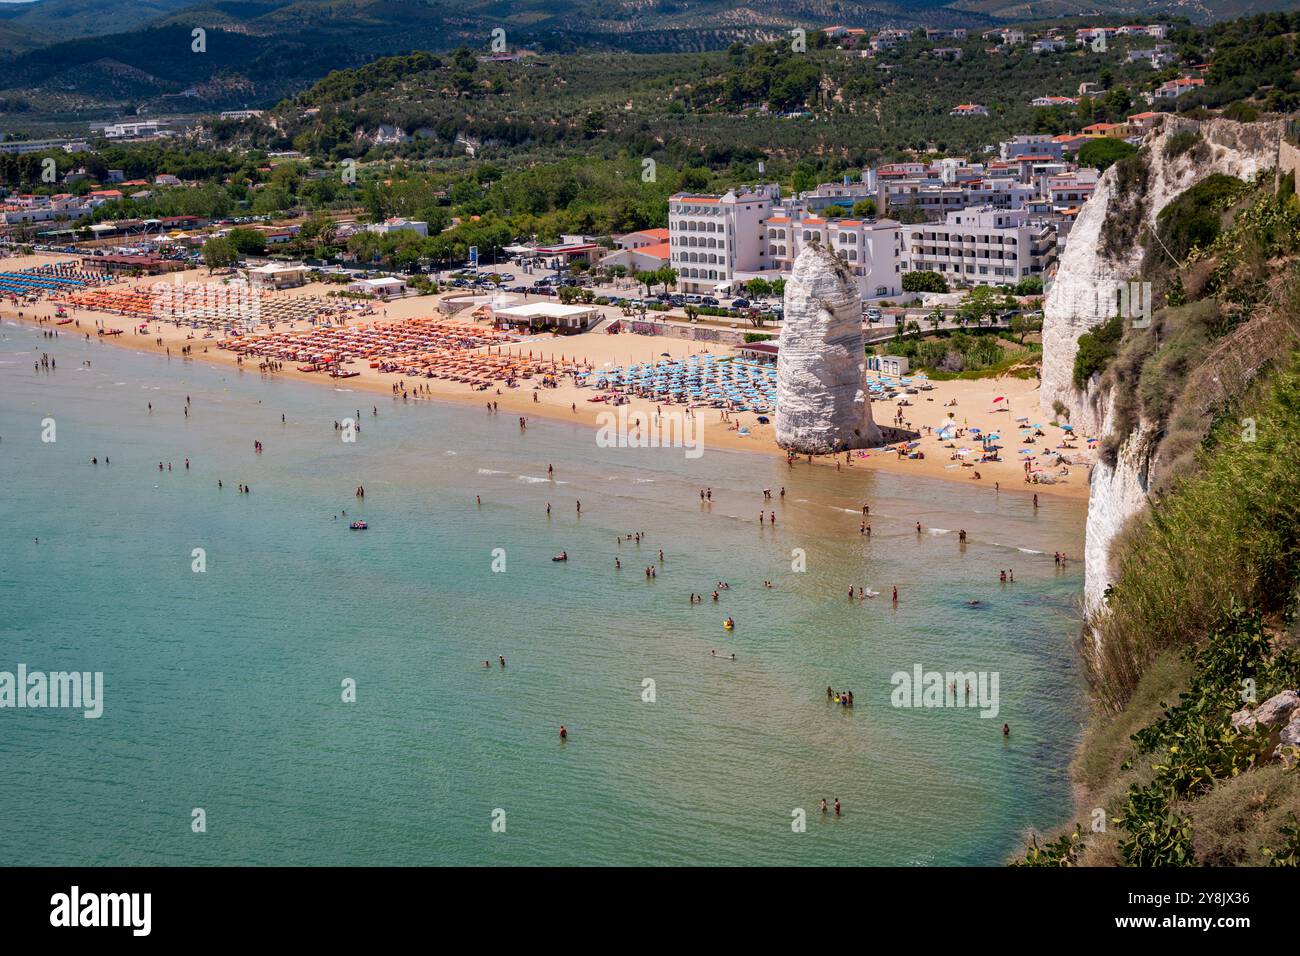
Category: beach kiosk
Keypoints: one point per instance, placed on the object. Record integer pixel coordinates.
(540, 315)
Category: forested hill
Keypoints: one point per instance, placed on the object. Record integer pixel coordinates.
(256, 52)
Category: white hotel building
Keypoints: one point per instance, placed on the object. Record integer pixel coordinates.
(872, 248)
(711, 238)
(983, 246)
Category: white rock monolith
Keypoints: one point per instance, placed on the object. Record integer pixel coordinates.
(822, 404)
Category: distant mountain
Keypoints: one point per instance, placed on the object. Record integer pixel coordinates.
(67, 19)
(1200, 11)
(79, 56)
(14, 40)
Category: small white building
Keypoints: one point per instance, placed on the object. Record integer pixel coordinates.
(895, 365)
(534, 315)
(385, 287)
(397, 225)
(276, 275)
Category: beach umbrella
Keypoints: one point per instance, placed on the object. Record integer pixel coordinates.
(999, 399)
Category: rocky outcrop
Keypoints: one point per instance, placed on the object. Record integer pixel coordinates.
(1288, 746)
(1279, 719)
(1273, 713)
(1093, 268)
(821, 396)
(1116, 493)
(1083, 293)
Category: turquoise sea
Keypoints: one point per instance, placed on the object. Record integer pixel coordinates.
(223, 689)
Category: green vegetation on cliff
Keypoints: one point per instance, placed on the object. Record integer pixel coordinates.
(1200, 617)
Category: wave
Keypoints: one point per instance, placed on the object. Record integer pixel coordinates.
(490, 471)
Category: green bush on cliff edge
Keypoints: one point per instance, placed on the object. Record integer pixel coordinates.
(1096, 348)
(1204, 602)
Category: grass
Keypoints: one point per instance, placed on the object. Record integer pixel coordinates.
(1234, 823)
(1022, 366)
(1229, 535)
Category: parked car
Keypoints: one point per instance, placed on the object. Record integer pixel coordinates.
(740, 303)
(709, 300)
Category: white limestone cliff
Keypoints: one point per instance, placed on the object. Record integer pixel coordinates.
(822, 404)
(1088, 274)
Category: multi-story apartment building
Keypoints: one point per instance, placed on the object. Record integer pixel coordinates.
(39, 208)
(1069, 190)
(981, 246)
(1036, 144)
(24, 146)
(954, 184)
(840, 194)
(870, 247)
(713, 237)
(1176, 88)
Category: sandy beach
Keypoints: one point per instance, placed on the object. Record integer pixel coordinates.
(991, 405)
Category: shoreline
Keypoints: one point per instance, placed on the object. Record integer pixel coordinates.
(567, 402)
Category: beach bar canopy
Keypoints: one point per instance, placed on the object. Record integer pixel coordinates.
(575, 318)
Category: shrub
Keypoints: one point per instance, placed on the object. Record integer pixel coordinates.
(1096, 348)
(924, 281)
(1195, 217)
(1104, 153)
(1180, 143)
